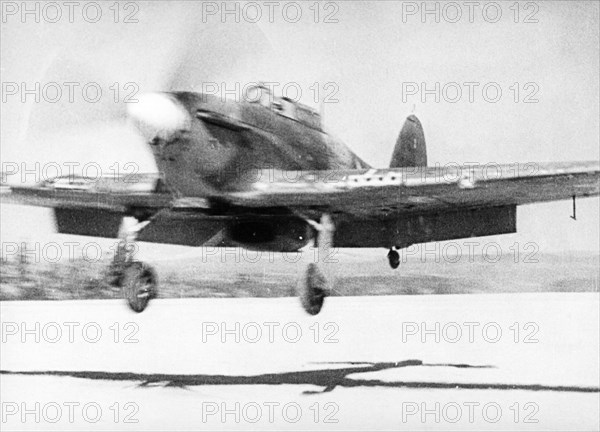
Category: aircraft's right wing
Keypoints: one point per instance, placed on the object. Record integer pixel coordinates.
(122, 194)
(93, 206)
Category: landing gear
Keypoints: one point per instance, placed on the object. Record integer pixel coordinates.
(393, 258)
(314, 284)
(136, 279)
(139, 284)
(313, 289)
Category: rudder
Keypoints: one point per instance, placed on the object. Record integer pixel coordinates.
(410, 149)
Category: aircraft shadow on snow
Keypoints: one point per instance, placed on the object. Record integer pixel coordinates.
(328, 379)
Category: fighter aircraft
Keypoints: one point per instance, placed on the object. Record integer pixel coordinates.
(262, 174)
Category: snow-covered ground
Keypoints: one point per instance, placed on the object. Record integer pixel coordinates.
(455, 362)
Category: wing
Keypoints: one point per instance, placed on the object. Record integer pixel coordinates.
(123, 194)
(393, 192)
(93, 206)
(399, 207)
(374, 208)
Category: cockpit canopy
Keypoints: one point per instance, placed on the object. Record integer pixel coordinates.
(284, 106)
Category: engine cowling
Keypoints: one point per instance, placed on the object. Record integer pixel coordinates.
(270, 234)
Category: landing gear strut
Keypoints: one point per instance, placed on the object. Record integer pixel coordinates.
(136, 279)
(314, 285)
(393, 258)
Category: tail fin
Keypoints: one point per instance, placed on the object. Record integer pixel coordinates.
(410, 150)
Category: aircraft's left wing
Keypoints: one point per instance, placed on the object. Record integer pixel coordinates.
(399, 207)
(387, 193)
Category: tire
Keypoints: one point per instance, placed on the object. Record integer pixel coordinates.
(313, 289)
(394, 259)
(139, 284)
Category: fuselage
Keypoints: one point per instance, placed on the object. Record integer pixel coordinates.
(225, 142)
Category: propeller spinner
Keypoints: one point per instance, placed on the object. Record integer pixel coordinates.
(159, 115)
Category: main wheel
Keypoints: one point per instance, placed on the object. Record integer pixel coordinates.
(313, 289)
(393, 258)
(139, 284)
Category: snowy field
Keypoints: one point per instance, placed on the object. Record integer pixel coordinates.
(454, 362)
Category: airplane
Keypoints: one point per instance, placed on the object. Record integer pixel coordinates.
(262, 174)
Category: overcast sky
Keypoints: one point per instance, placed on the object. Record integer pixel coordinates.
(373, 54)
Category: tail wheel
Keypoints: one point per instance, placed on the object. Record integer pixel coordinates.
(140, 285)
(393, 258)
(313, 289)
